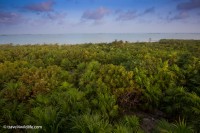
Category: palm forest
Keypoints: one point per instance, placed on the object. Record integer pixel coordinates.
(118, 87)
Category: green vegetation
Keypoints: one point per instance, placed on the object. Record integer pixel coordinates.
(102, 88)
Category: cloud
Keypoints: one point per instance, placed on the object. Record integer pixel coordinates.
(181, 15)
(125, 16)
(46, 13)
(57, 17)
(97, 14)
(175, 17)
(50, 18)
(41, 7)
(10, 18)
(192, 4)
(149, 10)
(132, 14)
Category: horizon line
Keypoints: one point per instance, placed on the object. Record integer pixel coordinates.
(101, 33)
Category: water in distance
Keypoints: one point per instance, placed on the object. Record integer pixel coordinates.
(92, 38)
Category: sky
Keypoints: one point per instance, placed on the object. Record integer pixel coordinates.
(99, 16)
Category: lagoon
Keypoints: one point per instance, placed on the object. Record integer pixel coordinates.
(80, 38)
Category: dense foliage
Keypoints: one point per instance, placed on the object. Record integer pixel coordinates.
(117, 87)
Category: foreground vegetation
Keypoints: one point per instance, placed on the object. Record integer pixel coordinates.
(117, 87)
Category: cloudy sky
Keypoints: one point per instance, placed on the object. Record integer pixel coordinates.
(99, 16)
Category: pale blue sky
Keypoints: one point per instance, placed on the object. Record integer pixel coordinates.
(99, 16)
